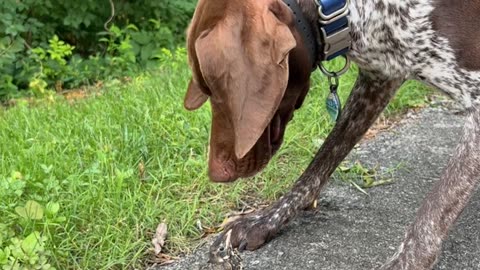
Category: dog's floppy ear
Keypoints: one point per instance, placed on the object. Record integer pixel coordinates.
(195, 97)
(244, 62)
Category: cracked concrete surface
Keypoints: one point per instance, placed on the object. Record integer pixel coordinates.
(354, 231)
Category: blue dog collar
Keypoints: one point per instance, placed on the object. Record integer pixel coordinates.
(334, 28)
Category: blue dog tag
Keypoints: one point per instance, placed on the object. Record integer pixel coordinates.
(334, 107)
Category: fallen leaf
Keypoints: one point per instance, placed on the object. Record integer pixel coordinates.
(158, 240)
(166, 259)
(162, 259)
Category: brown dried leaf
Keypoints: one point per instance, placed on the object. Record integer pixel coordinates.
(162, 259)
(158, 240)
(166, 259)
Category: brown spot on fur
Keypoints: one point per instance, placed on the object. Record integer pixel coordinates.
(459, 22)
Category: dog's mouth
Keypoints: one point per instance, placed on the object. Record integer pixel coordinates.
(224, 167)
(275, 134)
(263, 151)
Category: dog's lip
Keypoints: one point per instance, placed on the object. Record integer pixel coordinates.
(275, 134)
(275, 128)
(221, 169)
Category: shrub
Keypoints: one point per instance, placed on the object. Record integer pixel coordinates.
(67, 43)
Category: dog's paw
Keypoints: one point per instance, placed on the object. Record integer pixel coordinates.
(249, 232)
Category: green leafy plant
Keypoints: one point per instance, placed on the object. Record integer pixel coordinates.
(131, 40)
(26, 233)
(361, 177)
(53, 62)
(26, 254)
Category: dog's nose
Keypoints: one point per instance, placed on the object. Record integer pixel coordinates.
(222, 172)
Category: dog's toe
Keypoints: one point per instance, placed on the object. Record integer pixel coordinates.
(249, 233)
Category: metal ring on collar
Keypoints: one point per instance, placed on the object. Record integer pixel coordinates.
(337, 73)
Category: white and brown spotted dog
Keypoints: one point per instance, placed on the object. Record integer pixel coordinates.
(250, 59)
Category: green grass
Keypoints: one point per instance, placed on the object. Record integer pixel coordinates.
(85, 156)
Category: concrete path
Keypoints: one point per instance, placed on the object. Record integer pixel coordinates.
(354, 231)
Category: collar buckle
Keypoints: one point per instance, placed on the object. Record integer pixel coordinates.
(337, 42)
(335, 27)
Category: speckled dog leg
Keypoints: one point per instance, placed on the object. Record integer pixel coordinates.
(443, 205)
(368, 99)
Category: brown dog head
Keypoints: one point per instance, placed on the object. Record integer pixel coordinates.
(248, 58)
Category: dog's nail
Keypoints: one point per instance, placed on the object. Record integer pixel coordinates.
(242, 246)
(218, 242)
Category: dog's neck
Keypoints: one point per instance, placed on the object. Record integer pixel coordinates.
(384, 33)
